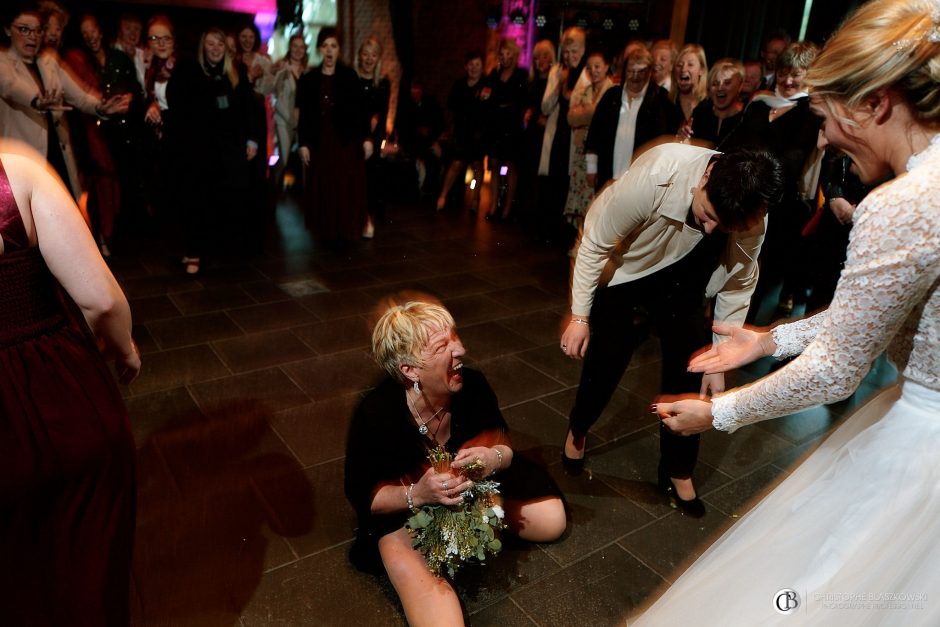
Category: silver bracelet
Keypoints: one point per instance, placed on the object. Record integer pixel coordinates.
(499, 460)
(409, 499)
(581, 321)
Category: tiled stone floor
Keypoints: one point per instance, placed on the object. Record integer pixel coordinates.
(250, 375)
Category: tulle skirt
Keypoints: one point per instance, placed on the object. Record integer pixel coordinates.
(852, 537)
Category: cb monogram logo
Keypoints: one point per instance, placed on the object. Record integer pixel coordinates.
(786, 601)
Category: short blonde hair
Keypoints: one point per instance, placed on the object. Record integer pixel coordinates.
(884, 44)
(573, 36)
(544, 45)
(797, 56)
(402, 332)
(726, 65)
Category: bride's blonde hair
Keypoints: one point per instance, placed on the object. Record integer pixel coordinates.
(886, 43)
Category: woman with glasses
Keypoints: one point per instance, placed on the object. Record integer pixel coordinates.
(35, 91)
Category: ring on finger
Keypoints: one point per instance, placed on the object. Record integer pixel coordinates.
(564, 347)
(444, 484)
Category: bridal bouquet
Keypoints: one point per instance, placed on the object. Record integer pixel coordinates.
(450, 536)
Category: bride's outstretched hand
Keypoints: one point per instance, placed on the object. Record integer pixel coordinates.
(685, 414)
(744, 345)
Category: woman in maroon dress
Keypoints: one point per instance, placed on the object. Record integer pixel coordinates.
(333, 134)
(67, 484)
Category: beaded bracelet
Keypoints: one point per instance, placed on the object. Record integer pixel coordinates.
(409, 499)
(499, 460)
(581, 321)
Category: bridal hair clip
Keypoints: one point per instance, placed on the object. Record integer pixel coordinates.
(933, 35)
(904, 46)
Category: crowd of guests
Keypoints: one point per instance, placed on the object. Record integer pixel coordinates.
(207, 138)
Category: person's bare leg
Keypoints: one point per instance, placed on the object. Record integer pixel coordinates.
(427, 599)
(511, 180)
(538, 520)
(449, 179)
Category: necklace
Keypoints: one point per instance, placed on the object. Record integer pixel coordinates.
(423, 423)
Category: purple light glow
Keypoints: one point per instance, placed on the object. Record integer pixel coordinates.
(265, 20)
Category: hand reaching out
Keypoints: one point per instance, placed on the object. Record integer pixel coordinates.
(685, 414)
(744, 346)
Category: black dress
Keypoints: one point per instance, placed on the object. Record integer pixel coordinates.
(385, 448)
(333, 126)
(67, 483)
(464, 104)
(504, 103)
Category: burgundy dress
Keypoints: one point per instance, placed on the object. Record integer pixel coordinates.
(67, 483)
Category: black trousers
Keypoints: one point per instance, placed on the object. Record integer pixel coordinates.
(676, 312)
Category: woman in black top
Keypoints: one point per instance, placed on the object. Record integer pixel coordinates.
(465, 107)
(333, 135)
(782, 123)
(376, 90)
(215, 138)
(504, 97)
(431, 400)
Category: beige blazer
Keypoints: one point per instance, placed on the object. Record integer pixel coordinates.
(18, 119)
(636, 226)
(551, 108)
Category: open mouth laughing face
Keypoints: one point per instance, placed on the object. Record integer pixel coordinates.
(442, 357)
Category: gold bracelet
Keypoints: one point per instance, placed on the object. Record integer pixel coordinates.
(499, 460)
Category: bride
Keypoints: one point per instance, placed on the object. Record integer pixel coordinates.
(853, 535)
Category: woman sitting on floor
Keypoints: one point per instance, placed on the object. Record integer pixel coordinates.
(428, 401)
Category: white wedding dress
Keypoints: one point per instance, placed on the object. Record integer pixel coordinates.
(854, 531)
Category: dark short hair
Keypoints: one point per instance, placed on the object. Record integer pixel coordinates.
(327, 33)
(743, 185)
(475, 53)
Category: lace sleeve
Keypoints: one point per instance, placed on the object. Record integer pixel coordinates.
(893, 260)
(792, 338)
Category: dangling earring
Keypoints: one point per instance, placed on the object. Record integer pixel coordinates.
(416, 387)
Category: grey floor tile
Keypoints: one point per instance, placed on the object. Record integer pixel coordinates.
(598, 515)
(270, 388)
(316, 432)
(172, 368)
(542, 327)
(195, 329)
(153, 413)
(332, 518)
(322, 590)
(269, 316)
(597, 590)
(334, 336)
(338, 374)
(490, 339)
(669, 544)
(211, 299)
(515, 381)
(151, 308)
(261, 350)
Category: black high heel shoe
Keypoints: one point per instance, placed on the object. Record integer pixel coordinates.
(694, 508)
(572, 465)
